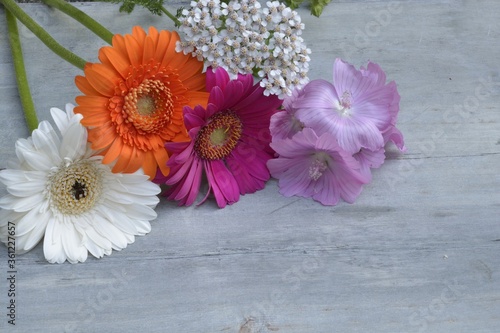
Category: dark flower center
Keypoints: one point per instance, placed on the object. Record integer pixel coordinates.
(79, 190)
(219, 136)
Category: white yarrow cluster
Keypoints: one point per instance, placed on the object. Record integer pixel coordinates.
(242, 37)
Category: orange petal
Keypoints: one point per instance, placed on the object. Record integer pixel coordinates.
(119, 45)
(92, 101)
(196, 82)
(161, 158)
(113, 151)
(192, 67)
(136, 161)
(123, 159)
(115, 59)
(84, 85)
(149, 50)
(153, 34)
(149, 165)
(102, 137)
(100, 78)
(139, 34)
(133, 50)
(161, 48)
(95, 118)
(197, 98)
(172, 58)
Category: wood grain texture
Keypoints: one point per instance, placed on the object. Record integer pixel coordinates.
(417, 252)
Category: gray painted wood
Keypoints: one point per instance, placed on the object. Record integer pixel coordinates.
(417, 252)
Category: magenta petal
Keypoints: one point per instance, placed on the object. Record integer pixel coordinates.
(222, 182)
(218, 78)
(216, 98)
(232, 94)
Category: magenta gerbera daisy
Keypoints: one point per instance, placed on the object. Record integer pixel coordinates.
(358, 108)
(317, 167)
(229, 142)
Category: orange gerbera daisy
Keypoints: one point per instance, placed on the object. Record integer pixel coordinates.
(133, 99)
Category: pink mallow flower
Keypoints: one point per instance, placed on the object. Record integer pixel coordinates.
(229, 142)
(358, 108)
(317, 167)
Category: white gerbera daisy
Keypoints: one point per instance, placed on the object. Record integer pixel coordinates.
(57, 189)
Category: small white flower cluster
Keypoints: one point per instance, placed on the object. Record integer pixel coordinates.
(242, 37)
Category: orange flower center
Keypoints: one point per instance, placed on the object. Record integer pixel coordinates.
(148, 106)
(219, 137)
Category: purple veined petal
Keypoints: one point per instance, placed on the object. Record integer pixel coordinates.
(346, 77)
(300, 144)
(295, 180)
(317, 94)
(393, 134)
(284, 125)
(326, 191)
(369, 160)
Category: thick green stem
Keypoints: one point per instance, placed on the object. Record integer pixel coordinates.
(22, 80)
(81, 17)
(171, 16)
(44, 36)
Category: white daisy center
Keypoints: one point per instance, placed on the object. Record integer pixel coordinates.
(318, 166)
(343, 106)
(75, 187)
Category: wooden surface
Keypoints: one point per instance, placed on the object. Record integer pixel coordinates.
(419, 251)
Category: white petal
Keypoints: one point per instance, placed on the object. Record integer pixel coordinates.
(140, 212)
(143, 227)
(27, 189)
(110, 232)
(74, 142)
(36, 160)
(18, 204)
(140, 188)
(128, 198)
(120, 220)
(52, 247)
(61, 119)
(73, 244)
(47, 128)
(35, 235)
(25, 224)
(97, 244)
(44, 143)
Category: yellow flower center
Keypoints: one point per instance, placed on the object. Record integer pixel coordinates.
(75, 187)
(149, 106)
(218, 138)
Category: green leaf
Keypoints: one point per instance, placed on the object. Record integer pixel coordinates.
(154, 6)
(317, 6)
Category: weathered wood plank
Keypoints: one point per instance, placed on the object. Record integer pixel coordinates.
(417, 252)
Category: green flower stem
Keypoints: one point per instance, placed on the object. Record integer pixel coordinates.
(81, 17)
(44, 36)
(22, 80)
(171, 16)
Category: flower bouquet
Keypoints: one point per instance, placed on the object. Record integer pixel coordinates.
(222, 103)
